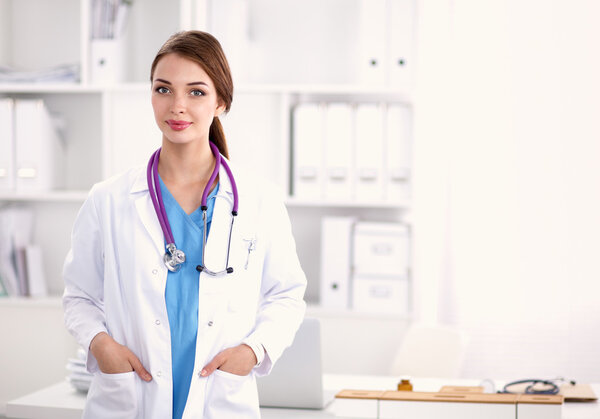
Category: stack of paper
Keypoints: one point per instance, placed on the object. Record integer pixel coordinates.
(68, 73)
(78, 376)
(109, 17)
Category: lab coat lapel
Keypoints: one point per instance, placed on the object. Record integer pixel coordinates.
(218, 238)
(146, 212)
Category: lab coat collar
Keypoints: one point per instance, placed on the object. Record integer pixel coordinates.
(140, 182)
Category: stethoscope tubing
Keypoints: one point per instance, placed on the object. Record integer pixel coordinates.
(174, 257)
(213, 176)
(553, 388)
(156, 196)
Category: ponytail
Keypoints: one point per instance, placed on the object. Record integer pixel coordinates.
(216, 135)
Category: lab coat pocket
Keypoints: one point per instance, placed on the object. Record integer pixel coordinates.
(231, 396)
(112, 395)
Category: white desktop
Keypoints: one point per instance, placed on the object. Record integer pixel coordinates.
(62, 401)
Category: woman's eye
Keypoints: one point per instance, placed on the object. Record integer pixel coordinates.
(162, 89)
(197, 93)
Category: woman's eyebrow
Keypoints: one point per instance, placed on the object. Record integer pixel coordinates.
(194, 83)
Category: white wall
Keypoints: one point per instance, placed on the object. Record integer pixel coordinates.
(508, 140)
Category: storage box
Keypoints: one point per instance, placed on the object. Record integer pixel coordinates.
(380, 295)
(381, 249)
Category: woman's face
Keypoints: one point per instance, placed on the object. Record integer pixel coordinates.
(184, 100)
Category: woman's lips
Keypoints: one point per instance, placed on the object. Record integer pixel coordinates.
(178, 125)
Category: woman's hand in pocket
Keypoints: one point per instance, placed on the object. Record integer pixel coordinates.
(238, 360)
(114, 358)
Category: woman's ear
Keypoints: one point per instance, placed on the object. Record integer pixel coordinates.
(220, 109)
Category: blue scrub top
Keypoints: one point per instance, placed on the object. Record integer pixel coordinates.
(181, 293)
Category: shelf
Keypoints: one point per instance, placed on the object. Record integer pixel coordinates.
(44, 196)
(320, 203)
(54, 301)
(336, 89)
(49, 88)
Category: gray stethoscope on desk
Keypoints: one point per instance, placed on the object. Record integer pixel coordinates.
(534, 386)
(174, 257)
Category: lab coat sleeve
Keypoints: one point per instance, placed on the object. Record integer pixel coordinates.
(83, 274)
(283, 285)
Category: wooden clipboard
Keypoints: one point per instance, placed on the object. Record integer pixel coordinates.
(578, 393)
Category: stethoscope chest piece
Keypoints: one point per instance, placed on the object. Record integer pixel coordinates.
(173, 258)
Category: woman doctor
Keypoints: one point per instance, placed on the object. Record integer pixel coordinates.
(183, 282)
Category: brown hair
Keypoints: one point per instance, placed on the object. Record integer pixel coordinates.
(204, 49)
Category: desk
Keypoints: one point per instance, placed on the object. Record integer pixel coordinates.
(61, 401)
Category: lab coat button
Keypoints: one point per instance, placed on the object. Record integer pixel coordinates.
(210, 323)
(157, 322)
(158, 373)
(154, 271)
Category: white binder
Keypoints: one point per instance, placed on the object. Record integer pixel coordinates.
(336, 247)
(398, 150)
(39, 155)
(338, 151)
(307, 151)
(368, 172)
(400, 59)
(107, 61)
(372, 42)
(7, 145)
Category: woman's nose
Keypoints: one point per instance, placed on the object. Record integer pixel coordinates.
(178, 105)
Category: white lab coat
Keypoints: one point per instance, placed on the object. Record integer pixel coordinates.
(115, 282)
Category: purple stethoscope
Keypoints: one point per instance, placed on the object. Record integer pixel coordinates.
(174, 257)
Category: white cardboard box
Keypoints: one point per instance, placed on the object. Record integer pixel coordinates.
(380, 295)
(380, 249)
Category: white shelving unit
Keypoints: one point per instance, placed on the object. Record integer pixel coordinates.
(111, 127)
